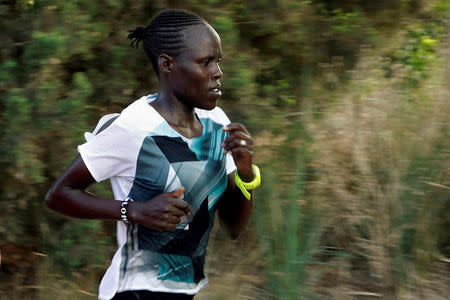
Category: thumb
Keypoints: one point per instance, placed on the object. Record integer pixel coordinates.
(176, 193)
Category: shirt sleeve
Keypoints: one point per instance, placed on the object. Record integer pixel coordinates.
(224, 120)
(109, 153)
(220, 117)
(101, 122)
(229, 164)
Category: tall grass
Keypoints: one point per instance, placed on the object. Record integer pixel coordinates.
(285, 217)
(356, 203)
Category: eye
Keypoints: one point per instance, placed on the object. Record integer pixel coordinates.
(208, 61)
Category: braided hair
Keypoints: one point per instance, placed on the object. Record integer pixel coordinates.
(163, 34)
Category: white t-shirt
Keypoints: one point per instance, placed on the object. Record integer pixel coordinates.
(144, 157)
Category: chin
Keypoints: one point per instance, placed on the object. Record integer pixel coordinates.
(210, 105)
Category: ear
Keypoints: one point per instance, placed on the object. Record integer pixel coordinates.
(165, 63)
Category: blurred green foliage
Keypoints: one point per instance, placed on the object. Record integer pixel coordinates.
(289, 65)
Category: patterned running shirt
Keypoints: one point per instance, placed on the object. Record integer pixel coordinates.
(144, 157)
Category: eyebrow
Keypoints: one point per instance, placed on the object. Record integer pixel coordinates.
(210, 57)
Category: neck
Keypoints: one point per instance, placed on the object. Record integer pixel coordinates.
(177, 113)
(174, 111)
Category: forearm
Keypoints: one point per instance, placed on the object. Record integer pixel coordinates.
(235, 210)
(81, 204)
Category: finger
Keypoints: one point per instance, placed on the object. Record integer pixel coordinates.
(235, 127)
(182, 205)
(235, 142)
(239, 135)
(176, 211)
(173, 219)
(237, 150)
(176, 193)
(235, 139)
(166, 226)
(171, 226)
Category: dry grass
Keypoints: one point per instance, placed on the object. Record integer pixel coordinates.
(380, 155)
(373, 130)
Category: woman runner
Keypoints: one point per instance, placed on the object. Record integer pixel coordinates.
(173, 159)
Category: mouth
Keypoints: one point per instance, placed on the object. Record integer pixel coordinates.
(216, 92)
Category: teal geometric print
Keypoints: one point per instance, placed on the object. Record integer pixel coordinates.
(166, 162)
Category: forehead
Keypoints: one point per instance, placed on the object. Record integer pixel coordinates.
(201, 40)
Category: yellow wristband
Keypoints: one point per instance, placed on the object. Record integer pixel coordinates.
(246, 186)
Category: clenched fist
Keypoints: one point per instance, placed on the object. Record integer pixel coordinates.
(162, 213)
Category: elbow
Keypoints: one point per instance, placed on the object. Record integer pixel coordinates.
(235, 231)
(51, 199)
(233, 226)
(234, 235)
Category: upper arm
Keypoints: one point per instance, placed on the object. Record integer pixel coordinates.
(76, 176)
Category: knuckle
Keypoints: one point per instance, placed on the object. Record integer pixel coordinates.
(167, 207)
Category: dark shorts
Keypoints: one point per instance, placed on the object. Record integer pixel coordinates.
(148, 295)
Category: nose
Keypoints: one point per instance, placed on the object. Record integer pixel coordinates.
(217, 73)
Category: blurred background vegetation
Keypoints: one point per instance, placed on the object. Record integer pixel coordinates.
(348, 104)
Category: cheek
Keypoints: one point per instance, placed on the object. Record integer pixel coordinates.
(195, 74)
(198, 76)
(196, 85)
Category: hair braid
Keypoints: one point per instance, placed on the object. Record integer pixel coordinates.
(163, 34)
